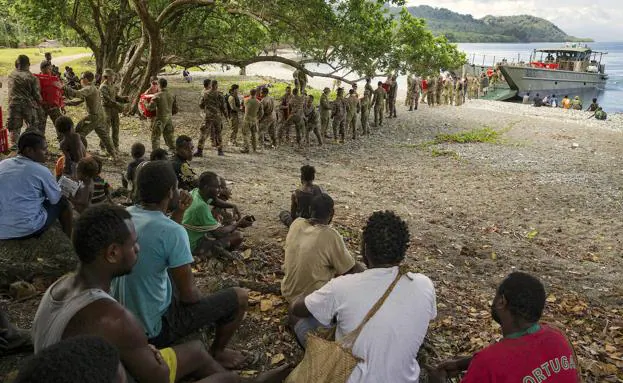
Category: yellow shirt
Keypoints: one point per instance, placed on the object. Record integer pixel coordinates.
(314, 255)
(566, 103)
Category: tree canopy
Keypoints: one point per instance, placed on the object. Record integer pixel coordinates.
(355, 38)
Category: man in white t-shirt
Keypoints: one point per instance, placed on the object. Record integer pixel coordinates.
(389, 342)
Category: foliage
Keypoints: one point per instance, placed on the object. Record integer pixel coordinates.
(505, 29)
(484, 134)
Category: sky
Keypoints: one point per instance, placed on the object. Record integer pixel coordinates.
(597, 19)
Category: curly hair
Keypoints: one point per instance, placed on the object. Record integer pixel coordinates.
(97, 228)
(155, 180)
(88, 167)
(308, 173)
(80, 359)
(386, 237)
(525, 295)
(159, 155)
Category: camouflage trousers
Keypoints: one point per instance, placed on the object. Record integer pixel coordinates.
(234, 122)
(312, 126)
(249, 135)
(378, 115)
(365, 125)
(431, 98)
(98, 123)
(44, 112)
(325, 118)
(351, 122)
(268, 127)
(212, 127)
(112, 119)
(162, 127)
(18, 115)
(339, 124)
(299, 124)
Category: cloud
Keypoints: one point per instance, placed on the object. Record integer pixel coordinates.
(598, 20)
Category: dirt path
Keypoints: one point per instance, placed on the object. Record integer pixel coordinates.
(476, 212)
(59, 61)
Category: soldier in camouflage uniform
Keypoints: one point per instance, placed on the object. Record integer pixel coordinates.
(325, 112)
(162, 124)
(267, 122)
(212, 103)
(300, 80)
(113, 104)
(253, 112)
(391, 97)
(365, 112)
(339, 115)
(24, 99)
(284, 108)
(311, 118)
(368, 86)
(352, 108)
(297, 114)
(409, 90)
(95, 119)
(439, 90)
(48, 109)
(233, 101)
(205, 128)
(378, 103)
(431, 95)
(415, 93)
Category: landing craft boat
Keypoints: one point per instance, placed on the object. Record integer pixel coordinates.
(573, 69)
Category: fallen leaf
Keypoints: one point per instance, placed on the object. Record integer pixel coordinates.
(276, 359)
(265, 305)
(551, 298)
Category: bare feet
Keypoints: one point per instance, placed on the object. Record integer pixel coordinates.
(277, 375)
(230, 359)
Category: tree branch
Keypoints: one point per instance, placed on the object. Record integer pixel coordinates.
(179, 3)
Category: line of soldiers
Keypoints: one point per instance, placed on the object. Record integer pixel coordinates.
(265, 120)
(445, 90)
(31, 104)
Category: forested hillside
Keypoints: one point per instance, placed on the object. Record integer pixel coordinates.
(509, 29)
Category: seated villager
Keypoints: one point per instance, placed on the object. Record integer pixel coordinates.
(81, 359)
(79, 304)
(30, 198)
(538, 101)
(529, 351)
(12, 339)
(101, 187)
(159, 155)
(566, 102)
(86, 172)
(315, 253)
(71, 145)
(593, 106)
(600, 114)
(165, 262)
(186, 177)
(576, 104)
(301, 197)
(221, 213)
(138, 155)
(204, 230)
(389, 339)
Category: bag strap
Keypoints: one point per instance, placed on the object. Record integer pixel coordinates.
(350, 339)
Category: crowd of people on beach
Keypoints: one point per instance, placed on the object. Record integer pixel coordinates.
(128, 310)
(565, 103)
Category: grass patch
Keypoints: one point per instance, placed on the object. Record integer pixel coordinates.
(477, 135)
(80, 65)
(436, 152)
(36, 55)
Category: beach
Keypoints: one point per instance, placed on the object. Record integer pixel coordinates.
(542, 196)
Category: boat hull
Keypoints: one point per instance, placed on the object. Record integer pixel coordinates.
(547, 81)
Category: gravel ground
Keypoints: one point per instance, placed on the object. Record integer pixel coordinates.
(532, 201)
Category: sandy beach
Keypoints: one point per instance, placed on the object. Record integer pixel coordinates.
(543, 198)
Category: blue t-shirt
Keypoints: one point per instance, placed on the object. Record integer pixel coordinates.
(24, 186)
(147, 291)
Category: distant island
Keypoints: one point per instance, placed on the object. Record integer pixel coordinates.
(490, 29)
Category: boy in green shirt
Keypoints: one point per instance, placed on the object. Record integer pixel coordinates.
(204, 231)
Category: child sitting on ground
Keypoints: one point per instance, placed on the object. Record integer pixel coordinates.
(138, 153)
(72, 146)
(101, 188)
(86, 171)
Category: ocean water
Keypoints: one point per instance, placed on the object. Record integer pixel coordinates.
(610, 98)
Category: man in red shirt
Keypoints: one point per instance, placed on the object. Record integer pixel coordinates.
(529, 352)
